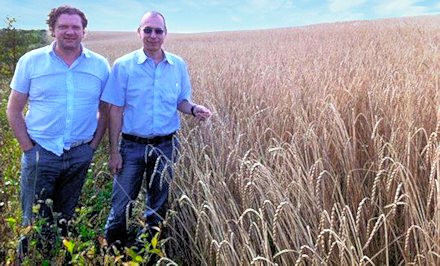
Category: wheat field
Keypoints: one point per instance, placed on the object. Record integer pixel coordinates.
(323, 147)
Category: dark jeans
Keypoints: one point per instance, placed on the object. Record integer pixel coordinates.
(155, 162)
(45, 175)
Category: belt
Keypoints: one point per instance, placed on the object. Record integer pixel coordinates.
(153, 140)
(78, 143)
(75, 144)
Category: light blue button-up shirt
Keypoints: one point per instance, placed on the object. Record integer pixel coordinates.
(63, 101)
(148, 92)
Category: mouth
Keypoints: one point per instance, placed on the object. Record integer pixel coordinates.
(153, 41)
(70, 37)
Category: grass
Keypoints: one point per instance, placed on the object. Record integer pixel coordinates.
(323, 149)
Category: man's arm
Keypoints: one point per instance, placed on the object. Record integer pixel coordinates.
(14, 112)
(115, 125)
(199, 111)
(102, 124)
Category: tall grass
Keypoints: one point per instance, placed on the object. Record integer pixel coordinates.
(9, 181)
(323, 147)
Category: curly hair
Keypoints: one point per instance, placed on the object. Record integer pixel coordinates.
(55, 13)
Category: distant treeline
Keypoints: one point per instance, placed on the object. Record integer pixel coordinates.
(15, 42)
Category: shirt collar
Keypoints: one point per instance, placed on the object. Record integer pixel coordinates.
(142, 57)
(169, 58)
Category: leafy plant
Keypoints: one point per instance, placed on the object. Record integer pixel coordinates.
(15, 43)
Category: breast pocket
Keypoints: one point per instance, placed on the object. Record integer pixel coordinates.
(87, 87)
(170, 90)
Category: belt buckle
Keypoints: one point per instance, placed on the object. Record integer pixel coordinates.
(79, 143)
(140, 139)
(150, 140)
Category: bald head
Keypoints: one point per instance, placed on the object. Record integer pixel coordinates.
(152, 14)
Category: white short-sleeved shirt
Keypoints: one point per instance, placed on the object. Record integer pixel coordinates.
(148, 92)
(62, 101)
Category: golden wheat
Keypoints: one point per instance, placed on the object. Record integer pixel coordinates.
(338, 119)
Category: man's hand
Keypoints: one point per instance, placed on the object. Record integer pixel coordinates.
(26, 146)
(201, 112)
(115, 162)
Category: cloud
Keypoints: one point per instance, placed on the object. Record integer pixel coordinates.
(400, 8)
(27, 16)
(212, 4)
(437, 6)
(310, 17)
(261, 4)
(236, 19)
(265, 5)
(344, 5)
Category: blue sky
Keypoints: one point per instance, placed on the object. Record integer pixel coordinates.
(216, 15)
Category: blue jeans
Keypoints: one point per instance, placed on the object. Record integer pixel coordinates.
(45, 175)
(141, 161)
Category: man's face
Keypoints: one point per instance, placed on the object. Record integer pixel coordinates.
(68, 32)
(152, 32)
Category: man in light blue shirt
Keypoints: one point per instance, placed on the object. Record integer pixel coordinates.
(65, 120)
(146, 88)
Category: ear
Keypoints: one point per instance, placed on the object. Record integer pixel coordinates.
(139, 31)
(52, 34)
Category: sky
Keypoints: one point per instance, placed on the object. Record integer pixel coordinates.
(193, 16)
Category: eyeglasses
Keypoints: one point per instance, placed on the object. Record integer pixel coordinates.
(149, 30)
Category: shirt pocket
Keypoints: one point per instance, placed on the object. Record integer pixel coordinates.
(87, 87)
(42, 90)
(170, 90)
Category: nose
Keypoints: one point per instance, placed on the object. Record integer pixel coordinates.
(70, 30)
